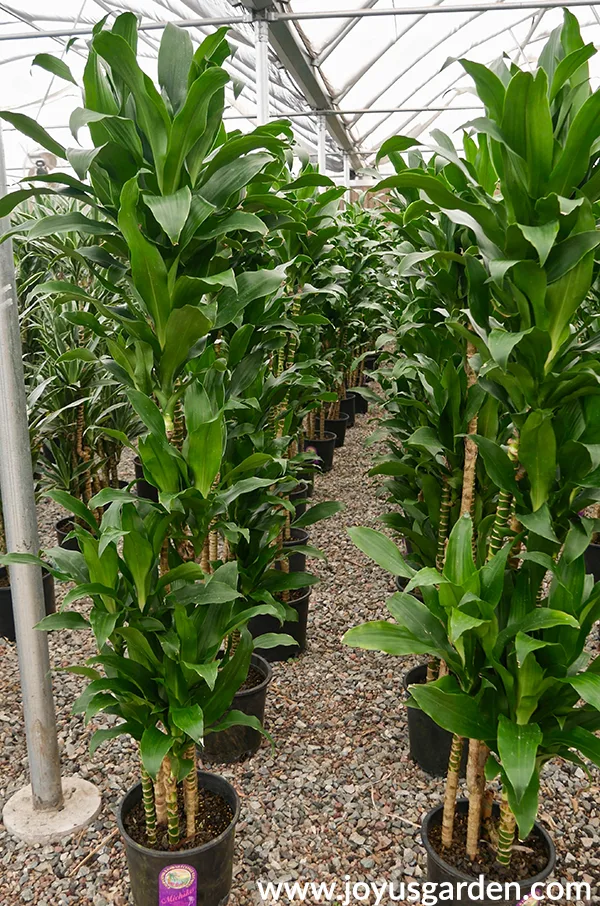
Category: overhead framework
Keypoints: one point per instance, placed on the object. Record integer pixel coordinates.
(349, 74)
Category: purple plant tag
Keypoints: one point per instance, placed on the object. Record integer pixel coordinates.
(178, 886)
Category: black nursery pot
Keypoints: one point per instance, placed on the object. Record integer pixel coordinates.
(348, 406)
(299, 497)
(239, 743)
(592, 561)
(63, 527)
(7, 620)
(429, 744)
(297, 561)
(361, 405)
(338, 426)
(440, 872)
(264, 623)
(307, 477)
(213, 861)
(323, 449)
(144, 488)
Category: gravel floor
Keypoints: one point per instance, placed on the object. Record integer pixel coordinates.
(339, 797)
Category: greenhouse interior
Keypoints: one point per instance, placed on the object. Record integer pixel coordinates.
(299, 452)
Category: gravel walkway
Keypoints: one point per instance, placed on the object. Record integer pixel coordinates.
(339, 797)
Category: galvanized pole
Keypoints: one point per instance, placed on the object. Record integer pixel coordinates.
(20, 521)
(261, 38)
(348, 195)
(321, 144)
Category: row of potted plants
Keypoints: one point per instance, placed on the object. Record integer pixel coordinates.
(491, 422)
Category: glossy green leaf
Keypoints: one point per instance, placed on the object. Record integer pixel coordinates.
(190, 720)
(382, 550)
(154, 746)
(34, 131)
(518, 748)
(382, 636)
(171, 211)
(537, 454)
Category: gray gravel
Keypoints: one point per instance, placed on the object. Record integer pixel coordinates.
(339, 797)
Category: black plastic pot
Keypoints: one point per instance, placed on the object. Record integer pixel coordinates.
(429, 744)
(7, 620)
(592, 561)
(213, 862)
(299, 497)
(307, 476)
(297, 561)
(297, 629)
(323, 450)
(361, 406)
(239, 743)
(338, 426)
(440, 872)
(63, 527)
(144, 488)
(348, 406)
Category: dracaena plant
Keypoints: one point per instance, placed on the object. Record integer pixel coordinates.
(165, 666)
(526, 192)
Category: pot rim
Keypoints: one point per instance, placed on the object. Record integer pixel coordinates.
(65, 520)
(406, 682)
(305, 594)
(4, 575)
(301, 488)
(161, 853)
(462, 804)
(293, 542)
(329, 435)
(263, 665)
(343, 417)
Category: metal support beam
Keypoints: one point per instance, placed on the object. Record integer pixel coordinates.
(277, 17)
(261, 33)
(347, 196)
(301, 70)
(20, 521)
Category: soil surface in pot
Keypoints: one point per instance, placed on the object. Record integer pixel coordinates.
(294, 594)
(254, 679)
(4, 582)
(214, 816)
(527, 861)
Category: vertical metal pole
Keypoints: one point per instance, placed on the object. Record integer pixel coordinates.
(348, 195)
(321, 146)
(20, 521)
(261, 37)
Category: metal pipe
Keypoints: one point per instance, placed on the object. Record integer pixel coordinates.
(261, 37)
(321, 144)
(329, 112)
(331, 14)
(20, 521)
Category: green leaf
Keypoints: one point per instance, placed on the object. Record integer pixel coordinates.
(174, 61)
(100, 736)
(231, 179)
(189, 719)
(541, 237)
(73, 505)
(415, 617)
(380, 635)
(205, 440)
(184, 328)
(148, 268)
(497, 463)
(489, 87)
(573, 162)
(382, 550)
(537, 453)
(397, 144)
(568, 66)
(459, 565)
(239, 719)
(588, 687)
(518, 748)
(318, 512)
(454, 711)
(74, 222)
(153, 748)
(64, 619)
(273, 640)
(567, 255)
(208, 672)
(540, 523)
(171, 211)
(54, 65)
(32, 130)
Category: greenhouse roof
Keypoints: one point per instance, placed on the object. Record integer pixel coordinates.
(362, 69)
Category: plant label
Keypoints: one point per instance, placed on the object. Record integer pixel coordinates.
(178, 886)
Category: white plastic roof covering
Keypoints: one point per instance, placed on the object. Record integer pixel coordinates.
(379, 63)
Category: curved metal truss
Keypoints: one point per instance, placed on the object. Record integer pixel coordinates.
(349, 72)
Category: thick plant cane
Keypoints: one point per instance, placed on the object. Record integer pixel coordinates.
(172, 804)
(503, 507)
(506, 832)
(190, 794)
(451, 791)
(444, 524)
(160, 797)
(468, 491)
(149, 806)
(478, 754)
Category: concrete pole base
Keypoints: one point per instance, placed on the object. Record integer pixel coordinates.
(82, 802)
